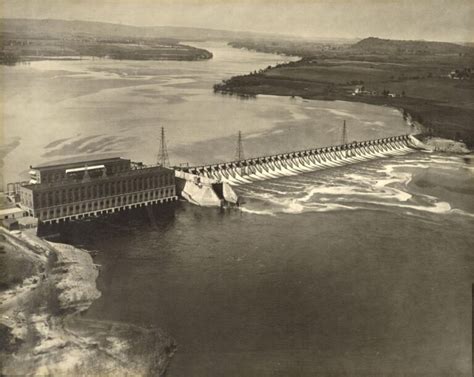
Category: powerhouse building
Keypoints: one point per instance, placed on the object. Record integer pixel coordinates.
(90, 188)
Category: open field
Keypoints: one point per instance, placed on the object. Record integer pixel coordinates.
(418, 82)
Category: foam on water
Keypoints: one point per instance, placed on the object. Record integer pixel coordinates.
(369, 186)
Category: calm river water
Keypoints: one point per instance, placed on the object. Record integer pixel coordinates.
(363, 270)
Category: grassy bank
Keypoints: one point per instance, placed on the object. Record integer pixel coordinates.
(419, 83)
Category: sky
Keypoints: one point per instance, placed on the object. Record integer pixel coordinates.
(442, 20)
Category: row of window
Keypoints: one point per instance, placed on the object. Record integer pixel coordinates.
(97, 190)
(105, 204)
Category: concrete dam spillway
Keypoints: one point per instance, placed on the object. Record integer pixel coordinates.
(82, 189)
(287, 164)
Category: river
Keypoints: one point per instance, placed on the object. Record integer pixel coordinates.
(54, 110)
(363, 270)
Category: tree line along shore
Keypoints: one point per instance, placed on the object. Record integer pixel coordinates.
(24, 40)
(16, 50)
(431, 81)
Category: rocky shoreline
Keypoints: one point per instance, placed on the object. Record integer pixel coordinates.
(42, 331)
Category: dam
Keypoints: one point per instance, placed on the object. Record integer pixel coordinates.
(245, 171)
(74, 191)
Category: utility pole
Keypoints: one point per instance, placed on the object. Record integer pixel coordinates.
(239, 151)
(162, 158)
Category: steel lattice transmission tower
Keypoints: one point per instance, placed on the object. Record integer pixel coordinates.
(162, 158)
(344, 140)
(239, 151)
(344, 134)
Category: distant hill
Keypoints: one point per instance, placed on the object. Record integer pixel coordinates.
(65, 29)
(391, 46)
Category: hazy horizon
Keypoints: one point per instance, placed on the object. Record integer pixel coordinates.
(440, 20)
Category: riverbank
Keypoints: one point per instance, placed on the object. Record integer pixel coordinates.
(45, 288)
(420, 85)
(156, 51)
(25, 40)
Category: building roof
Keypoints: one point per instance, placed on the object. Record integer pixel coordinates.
(9, 211)
(76, 163)
(84, 168)
(132, 173)
(28, 220)
(5, 202)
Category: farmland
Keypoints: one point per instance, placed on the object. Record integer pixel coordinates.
(423, 79)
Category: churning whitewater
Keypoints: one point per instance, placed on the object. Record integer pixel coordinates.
(372, 185)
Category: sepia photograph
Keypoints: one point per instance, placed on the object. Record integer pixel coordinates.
(236, 188)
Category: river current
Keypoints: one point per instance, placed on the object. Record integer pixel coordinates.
(362, 270)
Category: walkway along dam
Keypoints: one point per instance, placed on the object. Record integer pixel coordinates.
(287, 164)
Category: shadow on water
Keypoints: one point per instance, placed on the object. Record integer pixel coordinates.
(82, 233)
